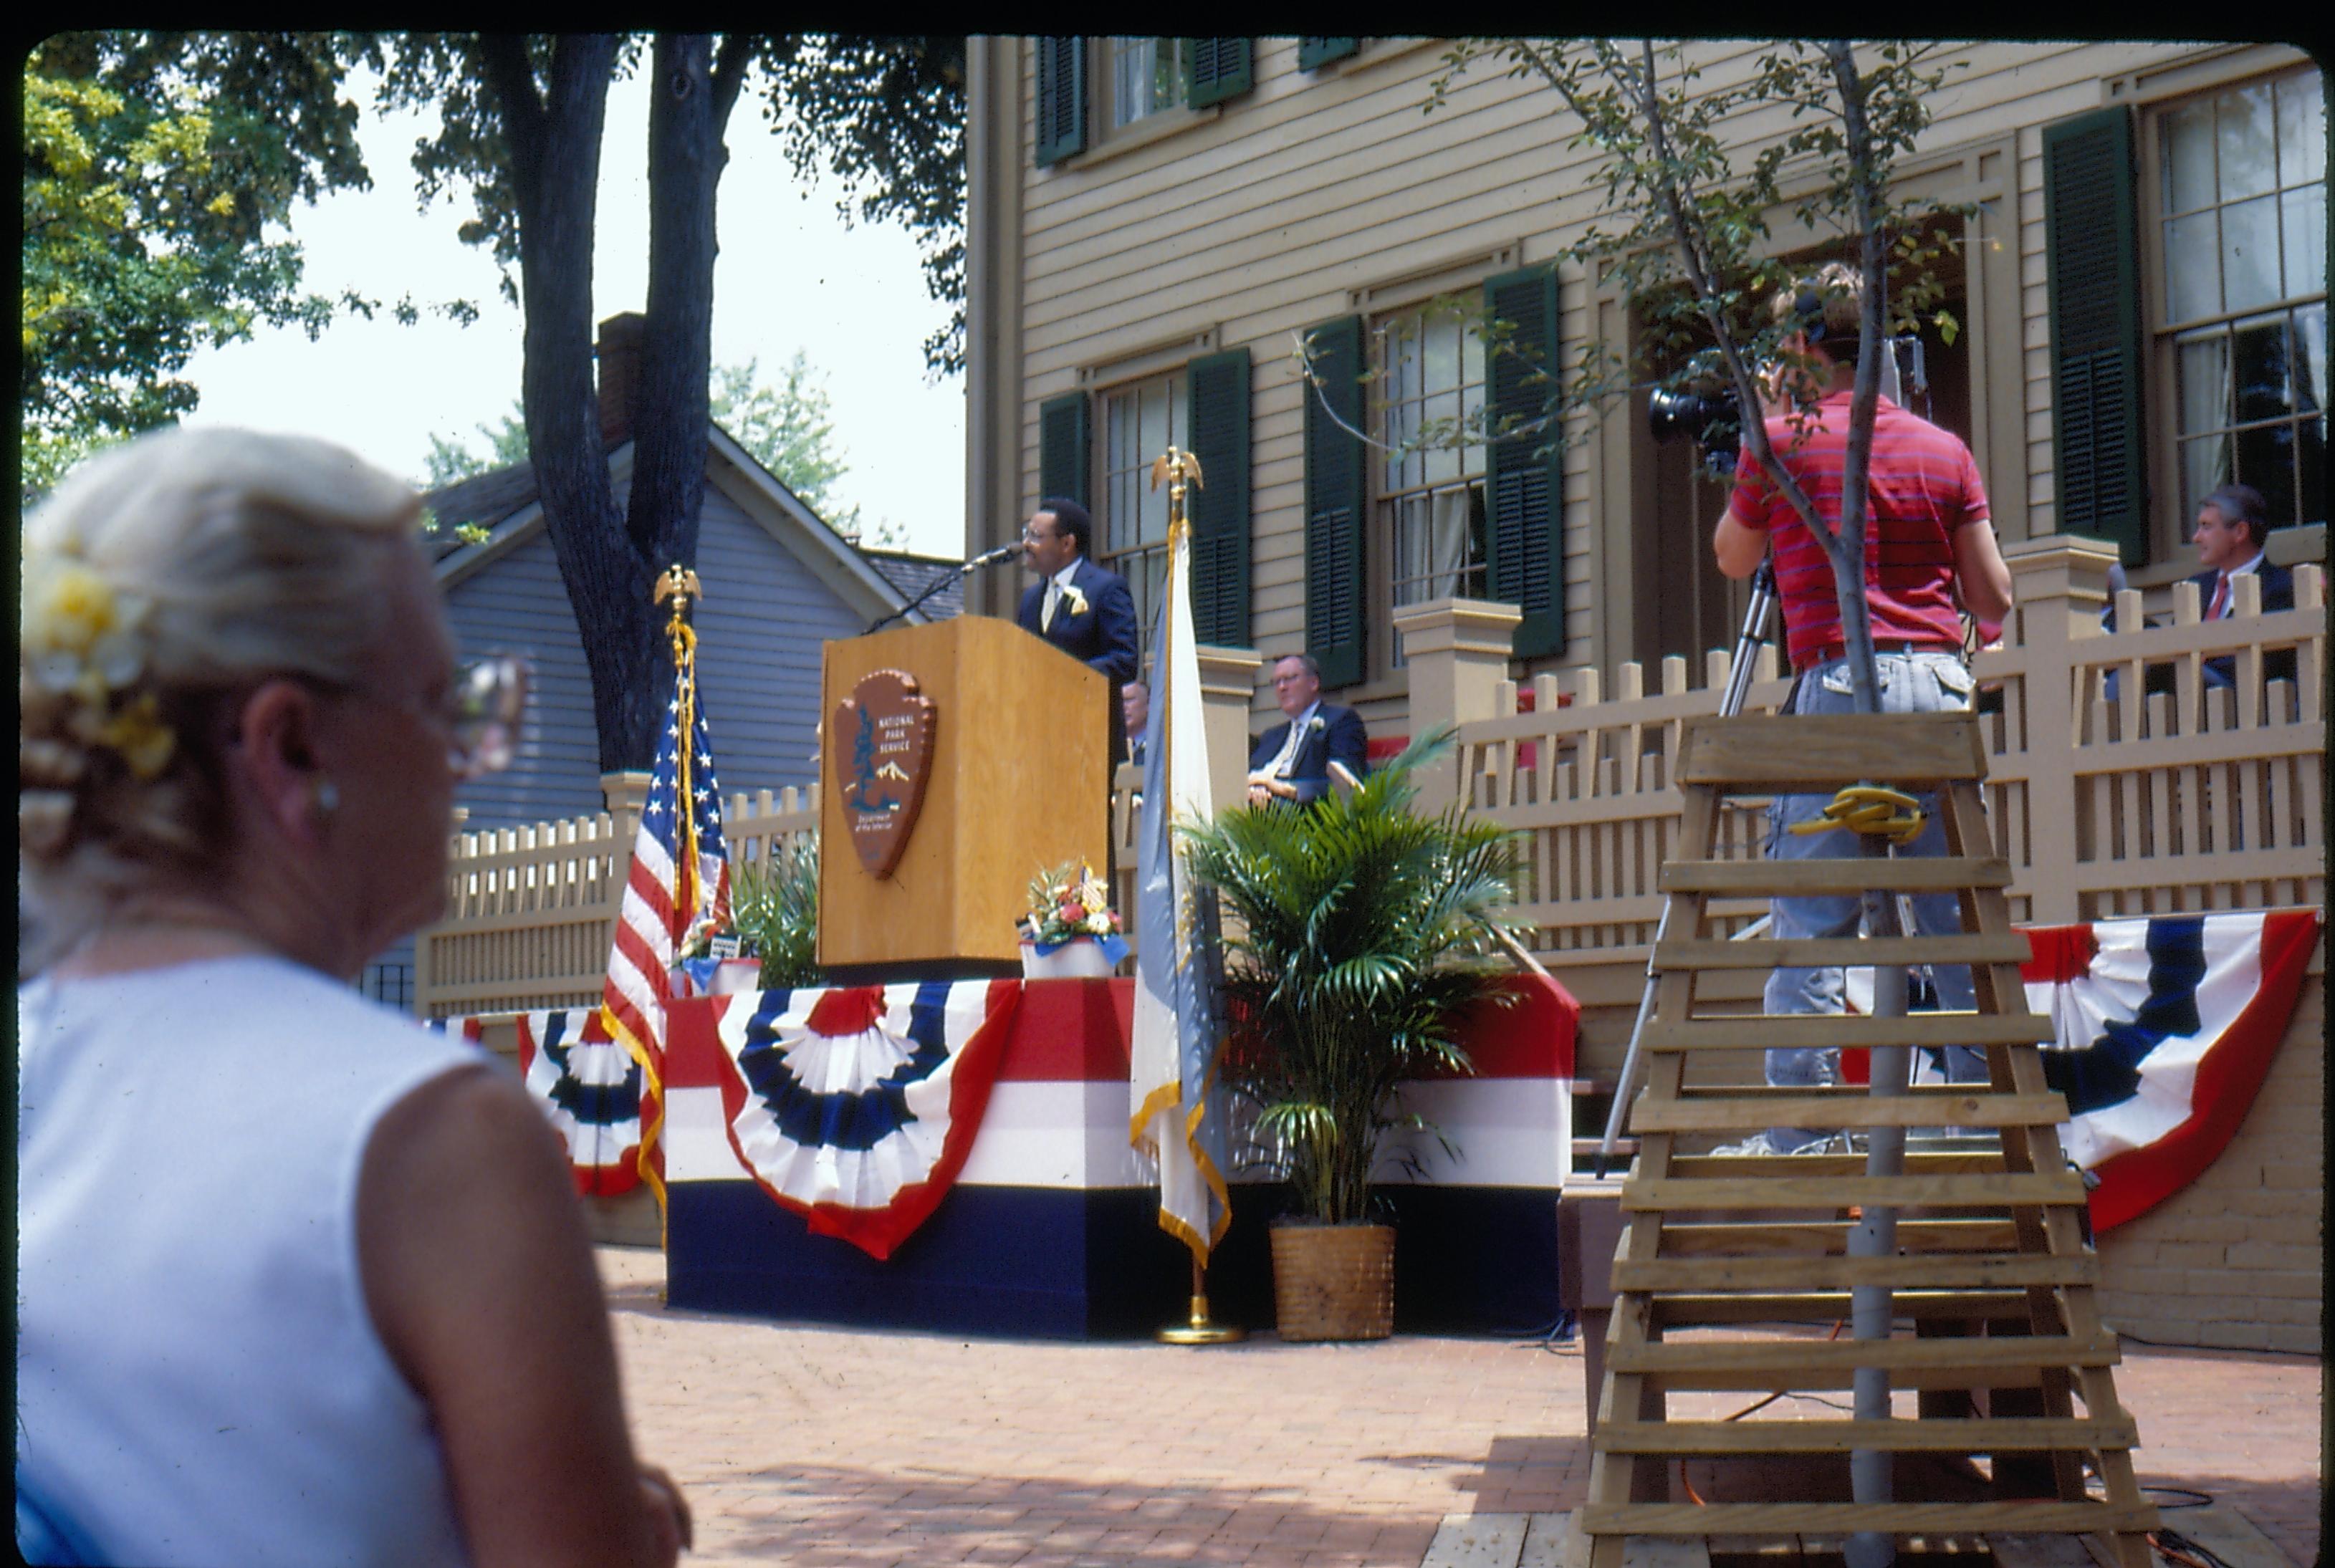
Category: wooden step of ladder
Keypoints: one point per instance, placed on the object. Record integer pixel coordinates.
(1730, 1267)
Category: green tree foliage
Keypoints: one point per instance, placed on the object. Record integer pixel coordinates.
(152, 172)
(885, 115)
(789, 427)
(160, 171)
(451, 459)
(520, 119)
(1697, 253)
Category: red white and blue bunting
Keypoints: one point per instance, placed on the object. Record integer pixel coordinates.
(856, 1107)
(589, 1086)
(2166, 1028)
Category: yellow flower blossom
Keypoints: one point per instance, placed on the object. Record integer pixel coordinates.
(139, 734)
(67, 608)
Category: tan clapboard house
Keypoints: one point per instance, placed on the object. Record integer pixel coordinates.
(2139, 292)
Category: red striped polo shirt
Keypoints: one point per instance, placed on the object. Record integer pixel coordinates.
(1923, 484)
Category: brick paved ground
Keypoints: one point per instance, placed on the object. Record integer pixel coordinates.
(821, 1446)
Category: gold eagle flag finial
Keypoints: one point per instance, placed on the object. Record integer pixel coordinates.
(674, 581)
(680, 585)
(1177, 466)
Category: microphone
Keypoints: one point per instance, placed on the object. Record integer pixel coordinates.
(1002, 552)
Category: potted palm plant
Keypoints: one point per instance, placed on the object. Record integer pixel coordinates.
(1358, 928)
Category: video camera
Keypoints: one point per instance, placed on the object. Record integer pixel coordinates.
(1714, 419)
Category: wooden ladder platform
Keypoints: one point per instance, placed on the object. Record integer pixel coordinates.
(1732, 1267)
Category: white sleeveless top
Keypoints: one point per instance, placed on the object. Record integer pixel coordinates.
(198, 1379)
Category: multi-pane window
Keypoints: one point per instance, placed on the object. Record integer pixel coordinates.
(1139, 423)
(1430, 491)
(2244, 231)
(1146, 75)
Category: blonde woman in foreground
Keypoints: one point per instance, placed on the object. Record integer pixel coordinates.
(299, 1281)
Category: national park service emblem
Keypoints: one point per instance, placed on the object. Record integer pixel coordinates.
(881, 739)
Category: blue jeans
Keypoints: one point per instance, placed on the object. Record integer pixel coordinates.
(1917, 682)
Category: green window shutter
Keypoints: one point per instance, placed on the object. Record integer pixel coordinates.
(1064, 448)
(1217, 385)
(1219, 69)
(1524, 492)
(2091, 232)
(1337, 485)
(1061, 99)
(1313, 53)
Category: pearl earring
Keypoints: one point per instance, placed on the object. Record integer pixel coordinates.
(328, 797)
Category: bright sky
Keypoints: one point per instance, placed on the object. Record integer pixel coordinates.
(791, 276)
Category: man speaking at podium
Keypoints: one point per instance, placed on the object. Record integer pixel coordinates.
(1077, 606)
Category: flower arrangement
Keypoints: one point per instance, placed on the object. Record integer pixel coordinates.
(698, 942)
(83, 647)
(1066, 904)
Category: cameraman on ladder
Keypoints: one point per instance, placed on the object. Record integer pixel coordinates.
(1927, 535)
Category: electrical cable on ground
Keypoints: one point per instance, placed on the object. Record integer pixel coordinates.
(2174, 1547)
(1692, 1494)
(2196, 1499)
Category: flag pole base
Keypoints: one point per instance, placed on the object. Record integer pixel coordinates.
(1199, 1329)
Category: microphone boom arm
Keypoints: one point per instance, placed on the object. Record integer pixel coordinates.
(940, 582)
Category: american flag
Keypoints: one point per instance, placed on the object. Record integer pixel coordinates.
(680, 875)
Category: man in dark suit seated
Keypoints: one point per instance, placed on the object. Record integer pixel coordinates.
(1291, 759)
(2232, 528)
(1079, 607)
(1135, 707)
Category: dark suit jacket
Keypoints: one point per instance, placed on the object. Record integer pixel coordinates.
(1339, 738)
(2278, 664)
(2277, 587)
(1103, 635)
(2277, 594)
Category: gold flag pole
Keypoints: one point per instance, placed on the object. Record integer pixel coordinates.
(1178, 467)
(680, 585)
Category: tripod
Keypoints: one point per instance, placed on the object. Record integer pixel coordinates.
(1730, 704)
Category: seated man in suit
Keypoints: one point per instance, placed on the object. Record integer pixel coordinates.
(1077, 606)
(1291, 759)
(1135, 707)
(2233, 528)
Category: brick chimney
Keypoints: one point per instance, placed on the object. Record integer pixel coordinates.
(619, 352)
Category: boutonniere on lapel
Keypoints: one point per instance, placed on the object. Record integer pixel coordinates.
(1314, 726)
(1074, 601)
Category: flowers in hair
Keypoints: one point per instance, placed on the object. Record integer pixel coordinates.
(83, 645)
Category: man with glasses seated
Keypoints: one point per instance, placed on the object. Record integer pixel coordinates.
(1293, 761)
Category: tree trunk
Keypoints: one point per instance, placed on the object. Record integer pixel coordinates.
(670, 417)
(555, 148)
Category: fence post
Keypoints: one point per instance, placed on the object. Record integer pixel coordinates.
(1227, 689)
(1457, 652)
(2058, 582)
(625, 794)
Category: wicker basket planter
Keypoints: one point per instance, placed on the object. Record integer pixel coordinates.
(1334, 1282)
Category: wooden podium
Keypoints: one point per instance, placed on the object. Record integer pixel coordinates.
(1016, 783)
